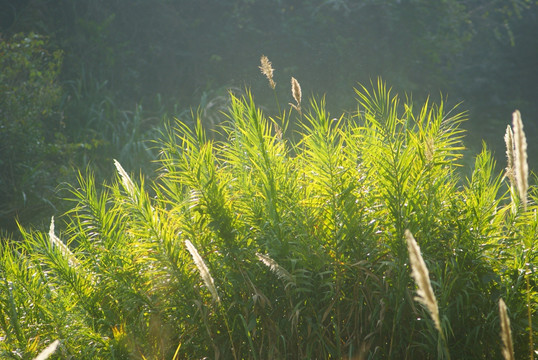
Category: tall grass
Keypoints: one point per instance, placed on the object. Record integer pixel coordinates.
(257, 247)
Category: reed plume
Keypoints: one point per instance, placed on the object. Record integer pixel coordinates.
(275, 267)
(204, 271)
(297, 94)
(49, 350)
(422, 278)
(126, 179)
(521, 176)
(506, 333)
(56, 242)
(521, 167)
(509, 140)
(267, 70)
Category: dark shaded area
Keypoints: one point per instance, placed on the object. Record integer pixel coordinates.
(128, 64)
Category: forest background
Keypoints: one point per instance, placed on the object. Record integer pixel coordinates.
(84, 82)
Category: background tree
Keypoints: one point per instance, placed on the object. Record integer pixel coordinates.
(31, 139)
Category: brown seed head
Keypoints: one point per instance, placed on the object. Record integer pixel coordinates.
(267, 70)
(296, 93)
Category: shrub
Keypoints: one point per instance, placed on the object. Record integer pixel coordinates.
(257, 247)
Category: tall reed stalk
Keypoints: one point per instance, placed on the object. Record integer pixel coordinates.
(516, 143)
(425, 292)
(210, 284)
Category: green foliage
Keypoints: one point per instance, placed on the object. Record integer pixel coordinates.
(45, 129)
(30, 126)
(298, 247)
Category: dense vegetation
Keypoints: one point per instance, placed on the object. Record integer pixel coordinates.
(258, 247)
(112, 69)
(272, 231)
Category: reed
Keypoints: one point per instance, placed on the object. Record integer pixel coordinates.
(521, 175)
(520, 158)
(49, 350)
(422, 278)
(64, 250)
(509, 141)
(126, 179)
(281, 272)
(267, 69)
(297, 95)
(307, 238)
(203, 270)
(425, 292)
(506, 333)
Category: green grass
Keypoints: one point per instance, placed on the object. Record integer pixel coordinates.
(298, 248)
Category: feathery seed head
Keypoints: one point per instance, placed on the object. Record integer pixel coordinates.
(126, 179)
(296, 93)
(56, 242)
(296, 90)
(49, 350)
(267, 70)
(422, 278)
(275, 267)
(203, 270)
(509, 140)
(521, 167)
(506, 334)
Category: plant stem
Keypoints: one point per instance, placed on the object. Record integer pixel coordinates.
(529, 314)
(277, 104)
